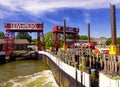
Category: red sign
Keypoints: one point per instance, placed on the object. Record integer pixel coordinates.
(23, 26)
(59, 29)
(72, 30)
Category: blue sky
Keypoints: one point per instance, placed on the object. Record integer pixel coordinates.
(52, 12)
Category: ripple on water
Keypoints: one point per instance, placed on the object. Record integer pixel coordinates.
(40, 79)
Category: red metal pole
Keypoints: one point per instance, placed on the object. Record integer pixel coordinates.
(58, 40)
(12, 41)
(38, 39)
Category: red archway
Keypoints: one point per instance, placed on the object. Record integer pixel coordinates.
(12, 27)
(60, 30)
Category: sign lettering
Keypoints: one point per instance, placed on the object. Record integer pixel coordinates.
(23, 26)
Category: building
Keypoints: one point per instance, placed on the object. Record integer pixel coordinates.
(20, 44)
(70, 42)
(101, 41)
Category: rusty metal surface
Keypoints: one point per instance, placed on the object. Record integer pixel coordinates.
(113, 24)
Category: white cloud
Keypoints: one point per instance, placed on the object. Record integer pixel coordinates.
(66, 18)
(51, 20)
(4, 14)
(39, 7)
(1, 15)
(87, 17)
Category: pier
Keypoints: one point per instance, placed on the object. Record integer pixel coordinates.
(73, 62)
(88, 72)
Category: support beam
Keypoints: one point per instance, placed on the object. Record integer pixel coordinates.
(38, 39)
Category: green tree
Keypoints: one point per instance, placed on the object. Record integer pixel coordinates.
(118, 40)
(83, 37)
(1, 35)
(108, 42)
(102, 37)
(24, 35)
(34, 41)
(70, 36)
(48, 39)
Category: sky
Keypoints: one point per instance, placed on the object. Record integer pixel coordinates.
(78, 13)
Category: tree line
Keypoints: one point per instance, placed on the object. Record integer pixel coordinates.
(20, 35)
(48, 38)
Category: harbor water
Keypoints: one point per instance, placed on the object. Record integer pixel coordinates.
(26, 73)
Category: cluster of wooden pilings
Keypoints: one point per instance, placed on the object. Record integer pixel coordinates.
(93, 63)
(106, 62)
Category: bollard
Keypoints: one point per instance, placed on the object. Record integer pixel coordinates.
(69, 62)
(93, 78)
(93, 73)
(119, 68)
(75, 64)
(90, 60)
(110, 66)
(80, 67)
(119, 64)
(113, 65)
(65, 60)
(77, 61)
(94, 63)
(116, 65)
(87, 61)
(88, 70)
(100, 59)
(102, 64)
(105, 65)
(83, 64)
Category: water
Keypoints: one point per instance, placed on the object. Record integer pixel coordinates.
(26, 73)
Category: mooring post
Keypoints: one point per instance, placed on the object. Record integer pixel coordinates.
(64, 33)
(113, 24)
(114, 45)
(88, 32)
(119, 64)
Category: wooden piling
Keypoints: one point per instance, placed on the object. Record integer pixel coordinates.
(113, 24)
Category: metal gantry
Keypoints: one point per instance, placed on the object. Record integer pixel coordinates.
(12, 27)
(57, 30)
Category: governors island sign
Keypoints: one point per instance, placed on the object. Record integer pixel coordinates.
(23, 26)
